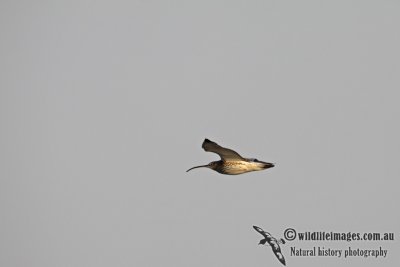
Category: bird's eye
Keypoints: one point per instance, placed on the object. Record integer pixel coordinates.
(255, 160)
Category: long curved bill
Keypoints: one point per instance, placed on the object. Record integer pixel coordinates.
(202, 166)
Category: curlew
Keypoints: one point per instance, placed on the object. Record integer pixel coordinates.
(231, 162)
(273, 242)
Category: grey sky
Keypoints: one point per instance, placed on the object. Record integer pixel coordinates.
(104, 106)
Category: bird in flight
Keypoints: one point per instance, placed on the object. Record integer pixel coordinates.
(231, 162)
(273, 242)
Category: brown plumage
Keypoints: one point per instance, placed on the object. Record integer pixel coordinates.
(231, 162)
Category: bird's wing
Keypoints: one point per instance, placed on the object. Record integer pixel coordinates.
(225, 153)
(277, 251)
(261, 231)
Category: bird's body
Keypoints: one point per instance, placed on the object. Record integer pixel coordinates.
(235, 167)
(273, 242)
(231, 162)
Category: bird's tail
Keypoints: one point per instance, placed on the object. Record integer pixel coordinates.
(268, 165)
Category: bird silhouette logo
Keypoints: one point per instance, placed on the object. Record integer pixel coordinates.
(273, 242)
(231, 162)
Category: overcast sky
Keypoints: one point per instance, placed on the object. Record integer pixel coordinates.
(105, 104)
